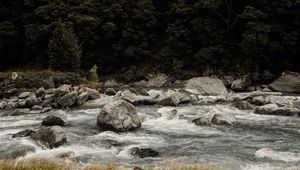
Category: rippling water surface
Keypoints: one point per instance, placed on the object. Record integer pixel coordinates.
(256, 142)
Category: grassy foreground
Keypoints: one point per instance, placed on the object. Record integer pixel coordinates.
(41, 164)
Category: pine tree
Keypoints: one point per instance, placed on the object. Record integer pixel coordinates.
(64, 51)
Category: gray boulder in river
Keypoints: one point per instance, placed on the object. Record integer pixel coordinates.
(205, 86)
(51, 137)
(119, 116)
(58, 117)
(288, 82)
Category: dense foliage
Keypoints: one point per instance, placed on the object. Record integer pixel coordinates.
(208, 36)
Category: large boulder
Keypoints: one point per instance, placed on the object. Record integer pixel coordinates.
(119, 116)
(241, 84)
(82, 98)
(205, 86)
(288, 82)
(93, 94)
(58, 117)
(138, 100)
(68, 99)
(159, 80)
(51, 137)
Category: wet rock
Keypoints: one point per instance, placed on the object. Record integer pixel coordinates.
(68, 99)
(159, 80)
(40, 92)
(273, 109)
(24, 133)
(2, 104)
(288, 82)
(169, 101)
(241, 84)
(259, 101)
(243, 105)
(32, 100)
(202, 121)
(46, 109)
(110, 92)
(143, 152)
(223, 120)
(266, 89)
(93, 94)
(37, 107)
(65, 155)
(58, 117)
(171, 114)
(24, 95)
(19, 112)
(205, 86)
(139, 91)
(227, 80)
(137, 100)
(111, 143)
(61, 91)
(51, 137)
(251, 89)
(20, 151)
(119, 116)
(82, 98)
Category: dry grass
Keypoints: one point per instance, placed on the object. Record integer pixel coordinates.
(41, 164)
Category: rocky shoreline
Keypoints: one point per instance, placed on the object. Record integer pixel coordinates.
(119, 114)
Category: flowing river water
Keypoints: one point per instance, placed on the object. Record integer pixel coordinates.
(256, 142)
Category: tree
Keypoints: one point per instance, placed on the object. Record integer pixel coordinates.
(64, 51)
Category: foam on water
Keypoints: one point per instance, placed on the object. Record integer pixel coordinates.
(278, 155)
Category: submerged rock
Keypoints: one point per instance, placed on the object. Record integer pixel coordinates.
(223, 120)
(205, 86)
(19, 151)
(58, 117)
(143, 152)
(65, 155)
(119, 116)
(51, 137)
(202, 121)
(24, 133)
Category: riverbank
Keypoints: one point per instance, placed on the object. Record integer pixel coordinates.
(41, 164)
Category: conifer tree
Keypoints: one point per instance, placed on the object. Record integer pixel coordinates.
(64, 51)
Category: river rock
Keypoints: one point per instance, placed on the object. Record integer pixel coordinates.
(19, 112)
(223, 120)
(169, 101)
(61, 91)
(82, 98)
(68, 99)
(143, 152)
(24, 95)
(273, 109)
(24, 133)
(202, 121)
(65, 155)
(58, 117)
(205, 86)
(119, 116)
(288, 82)
(159, 80)
(138, 100)
(111, 83)
(40, 92)
(243, 105)
(51, 137)
(32, 100)
(110, 92)
(2, 104)
(241, 84)
(93, 94)
(139, 91)
(19, 151)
